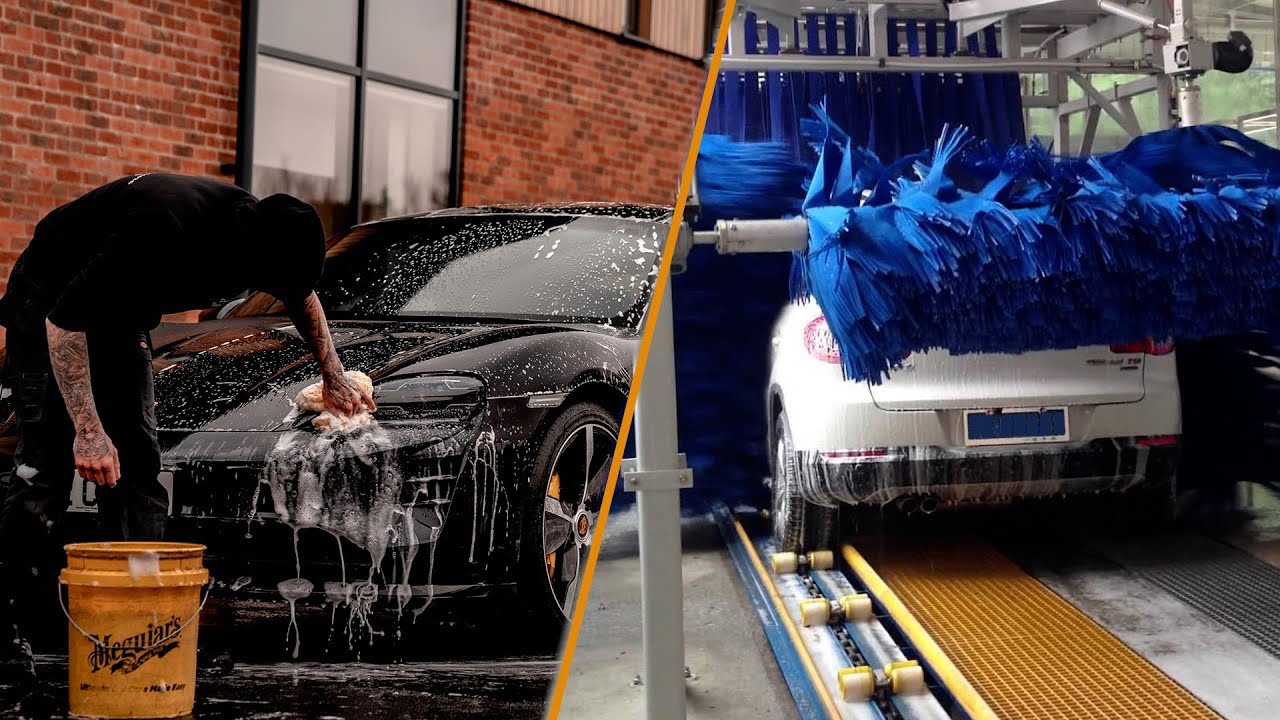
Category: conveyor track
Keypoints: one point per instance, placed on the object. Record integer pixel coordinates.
(990, 640)
(836, 656)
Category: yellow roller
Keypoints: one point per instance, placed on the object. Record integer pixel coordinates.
(857, 608)
(822, 560)
(906, 677)
(784, 563)
(857, 684)
(815, 611)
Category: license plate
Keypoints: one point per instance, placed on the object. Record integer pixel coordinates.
(1015, 426)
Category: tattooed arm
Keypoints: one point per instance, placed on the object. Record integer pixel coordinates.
(95, 455)
(341, 395)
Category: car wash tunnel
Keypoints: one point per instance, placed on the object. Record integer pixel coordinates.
(950, 482)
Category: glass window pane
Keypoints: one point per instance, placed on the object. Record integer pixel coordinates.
(302, 130)
(413, 39)
(321, 28)
(408, 151)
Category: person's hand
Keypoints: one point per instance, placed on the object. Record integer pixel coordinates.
(96, 457)
(344, 396)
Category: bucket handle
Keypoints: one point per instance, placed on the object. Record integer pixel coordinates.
(63, 603)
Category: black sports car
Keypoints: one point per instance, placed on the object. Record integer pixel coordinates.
(500, 341)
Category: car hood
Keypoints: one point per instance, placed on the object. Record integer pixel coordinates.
(242, 374)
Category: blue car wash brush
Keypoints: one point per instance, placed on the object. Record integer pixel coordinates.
(972, 249)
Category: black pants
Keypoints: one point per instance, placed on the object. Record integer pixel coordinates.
(39, 488)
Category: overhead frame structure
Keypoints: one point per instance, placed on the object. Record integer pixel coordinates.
(1058, 39)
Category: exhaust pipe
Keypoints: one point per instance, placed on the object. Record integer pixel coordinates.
(908, 504)
(929, 504)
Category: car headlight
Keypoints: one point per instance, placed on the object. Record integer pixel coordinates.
(429, 396)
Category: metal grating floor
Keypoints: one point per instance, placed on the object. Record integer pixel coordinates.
(1029, 653)
(1225, 583)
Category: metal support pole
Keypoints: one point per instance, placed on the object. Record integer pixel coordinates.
(1011, 36)
(1090, 130)
(1062, 119)
(1189, 102)
(656, 477)
(1097, 99)
(1164, 83)
(877, 32)
(1275, 61)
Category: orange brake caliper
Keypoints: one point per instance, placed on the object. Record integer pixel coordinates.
(553, 491)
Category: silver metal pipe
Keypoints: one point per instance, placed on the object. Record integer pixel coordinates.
(838, 63)
(1128, 13)
(753, 236)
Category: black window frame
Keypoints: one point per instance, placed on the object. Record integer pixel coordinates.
(251, 49)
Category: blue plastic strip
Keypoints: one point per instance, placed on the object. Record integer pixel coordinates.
(754, 122)
(817, 84)
(774, 100)
(918, 137)
(807, 699)
(950, 81)
(976, 98)
(995, 92)
(932, 84)
(734, 114)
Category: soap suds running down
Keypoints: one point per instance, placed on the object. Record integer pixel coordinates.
(293, 590)
(486, 490)
(346, 483)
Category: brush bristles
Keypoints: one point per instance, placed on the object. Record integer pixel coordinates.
(1178, 235)
(749, 181)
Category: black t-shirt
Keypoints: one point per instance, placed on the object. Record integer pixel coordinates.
(127, 252)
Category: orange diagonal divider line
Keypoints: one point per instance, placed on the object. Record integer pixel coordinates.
(659, 287)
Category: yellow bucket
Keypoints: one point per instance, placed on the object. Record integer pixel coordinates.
(133, 610)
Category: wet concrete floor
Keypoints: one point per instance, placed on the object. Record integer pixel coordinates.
(505, 688)
(479, 665)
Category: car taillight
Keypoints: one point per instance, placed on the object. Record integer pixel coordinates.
(1145, 347)
(1158, 441)
(819, 341)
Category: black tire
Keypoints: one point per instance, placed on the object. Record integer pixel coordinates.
(544, 586)
(798, 525)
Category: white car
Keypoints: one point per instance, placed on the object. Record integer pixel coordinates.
(948, 430)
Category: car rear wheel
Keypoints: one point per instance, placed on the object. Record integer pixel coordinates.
(798, 525)
(569, 477)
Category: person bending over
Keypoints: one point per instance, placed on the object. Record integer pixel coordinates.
(97, 276)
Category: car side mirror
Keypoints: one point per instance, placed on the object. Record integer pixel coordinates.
(226, 309)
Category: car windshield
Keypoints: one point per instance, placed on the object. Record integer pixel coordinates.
(530, 267)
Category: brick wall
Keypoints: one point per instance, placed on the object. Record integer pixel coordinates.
(557, 111)
(91, 90)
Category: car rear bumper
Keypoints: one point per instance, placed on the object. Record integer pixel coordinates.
(983, 476)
